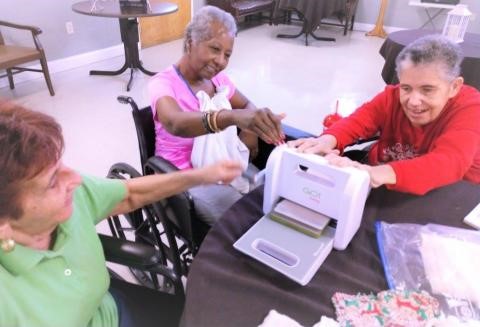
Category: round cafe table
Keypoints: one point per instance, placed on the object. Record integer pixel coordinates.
(127, 17)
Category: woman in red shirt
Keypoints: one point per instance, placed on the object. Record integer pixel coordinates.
(428, 124)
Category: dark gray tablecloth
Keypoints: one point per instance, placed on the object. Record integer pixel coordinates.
(313, 10)
(396, 41)
(227, 288)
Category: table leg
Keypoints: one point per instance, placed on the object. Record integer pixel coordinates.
(130, 39)
(305, 30)
(110, 72)
(129, 84)
(144, 70)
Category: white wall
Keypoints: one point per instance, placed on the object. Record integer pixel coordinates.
(90, 33)
(196, 4)
(400, 14)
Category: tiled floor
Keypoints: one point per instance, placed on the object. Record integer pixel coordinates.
(282, 74)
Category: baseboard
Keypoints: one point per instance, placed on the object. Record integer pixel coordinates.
(363, 27)
(68, 63)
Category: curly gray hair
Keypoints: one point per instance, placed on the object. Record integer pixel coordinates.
(433, 49)
(199, 29)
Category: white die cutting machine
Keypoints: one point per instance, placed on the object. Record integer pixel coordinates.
(315, 190)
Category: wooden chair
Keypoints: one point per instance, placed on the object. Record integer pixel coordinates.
(243, 8)
(12, 55)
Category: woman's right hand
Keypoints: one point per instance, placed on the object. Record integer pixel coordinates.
(263, 122)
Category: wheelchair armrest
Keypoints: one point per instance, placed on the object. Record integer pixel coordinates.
(160, 165)
(135, 255)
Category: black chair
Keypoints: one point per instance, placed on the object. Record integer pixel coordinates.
(245, 8)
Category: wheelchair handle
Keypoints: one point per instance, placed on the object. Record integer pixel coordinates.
(127, 100)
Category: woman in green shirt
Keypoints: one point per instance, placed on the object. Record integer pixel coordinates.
(52, 267)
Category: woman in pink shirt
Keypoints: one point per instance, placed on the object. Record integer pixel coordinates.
(428, 124)
(208, 46)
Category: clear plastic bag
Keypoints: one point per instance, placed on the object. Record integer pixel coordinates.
(442, 260)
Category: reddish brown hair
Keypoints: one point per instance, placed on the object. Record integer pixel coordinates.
(30, 142)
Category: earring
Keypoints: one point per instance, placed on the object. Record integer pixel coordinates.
(7, 245)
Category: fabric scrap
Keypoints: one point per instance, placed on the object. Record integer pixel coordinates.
(392, 308)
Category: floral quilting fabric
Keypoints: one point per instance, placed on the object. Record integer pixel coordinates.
(392, 308)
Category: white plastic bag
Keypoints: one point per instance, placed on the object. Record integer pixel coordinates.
(210, 148)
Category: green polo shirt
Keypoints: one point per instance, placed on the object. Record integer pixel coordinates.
(68, 285)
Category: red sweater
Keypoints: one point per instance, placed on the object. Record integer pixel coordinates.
(423, 158)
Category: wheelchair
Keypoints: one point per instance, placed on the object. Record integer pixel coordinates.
(171, 224)
(142, 226)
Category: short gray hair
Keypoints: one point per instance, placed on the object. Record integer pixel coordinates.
(200, 28)
(433, 49)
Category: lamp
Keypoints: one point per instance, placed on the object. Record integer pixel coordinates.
(456, 23)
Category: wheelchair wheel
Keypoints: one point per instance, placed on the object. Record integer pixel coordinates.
(141, 226)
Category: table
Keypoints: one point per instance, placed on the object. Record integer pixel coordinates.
(396, 41)
(427, 5)
(227, 288)
(311, 13)
(128, 29)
